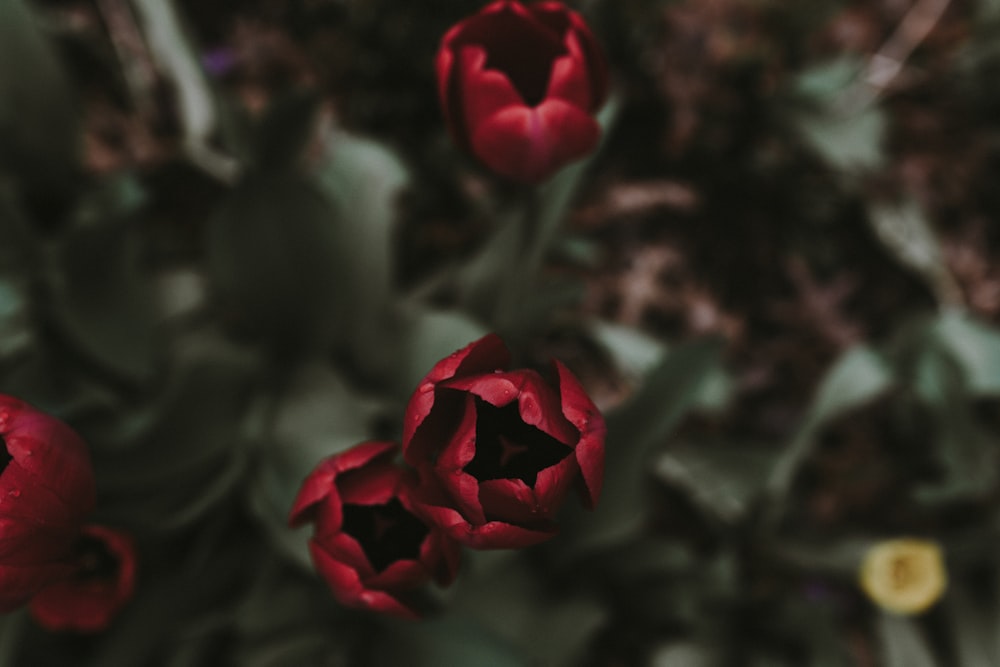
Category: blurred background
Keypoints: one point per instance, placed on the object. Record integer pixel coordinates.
(235, 235)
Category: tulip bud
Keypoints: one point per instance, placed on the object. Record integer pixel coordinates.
(520, 84)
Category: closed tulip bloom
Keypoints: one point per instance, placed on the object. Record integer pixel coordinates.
(498, 450)
(46, 489)
(369, 543)
(101, 583)
(520, 85)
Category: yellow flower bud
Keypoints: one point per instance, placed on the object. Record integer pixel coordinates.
(904, 576)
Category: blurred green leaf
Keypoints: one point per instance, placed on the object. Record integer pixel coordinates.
(445, 641)
(859, 376)
(510, 599)
(672, 389)
(683, 654)
(635, 353)
(102, 299)
(15, 324)
(974, 629)
(274, 260)
(169, 462)
(903, 645)
(976, 347)
(722, 479)
(177, 59)
(908, 236)
(364, 180)
(39, 118)
(285, 129)
(318, 415)
(845, 135)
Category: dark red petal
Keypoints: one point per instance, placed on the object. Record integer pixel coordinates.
(458, 453)
(19, 583)
(491, 535)
(572, 25)
(319, 484)
(374, 484)
(21, 496)
(529, 145)
(538, 403)
(441, 555)
(347, 588)
(484, 91)
(486, 354)
(585, 416)
(24, 542)
(553, 483)
(509, 500)
(346, 549)
(570, 80)
(88, 605)
(399, 576)
(50, 451)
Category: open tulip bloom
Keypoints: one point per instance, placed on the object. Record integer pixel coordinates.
(369, 543)
(498, 450)
(46, 489)
(520, 84)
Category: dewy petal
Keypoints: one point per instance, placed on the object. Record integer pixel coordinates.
(21, 496)
(585, 416)
(553, 483)
(373, 484)
(347, 588)
(319, 484)
(486, 354)
(459, 451)
(52, 452)
(529, 145)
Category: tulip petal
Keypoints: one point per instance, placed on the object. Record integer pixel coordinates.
(25, 542)
(18, 583)
(579, 41)
(509, 500)
(554, 482)
(490, 535)
(347, 588)
(529, 145)
(374, 484)
(585, 416)
(319, 483)
(486, 354)
(484, 91)
(457, 453)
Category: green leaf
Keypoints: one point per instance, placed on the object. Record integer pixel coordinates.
(364, 180)
(506, 597)
(274, 261)
(16, 332)
(445, 641)
(723, 479)
(683, 654)
(908, 236)
(39, 119)
(903, 645)
(976, 347)
(317, 416)
(102, 299)
(285, 129)
(859, 376)
(974, 630)
(677, 386)
(847, 136)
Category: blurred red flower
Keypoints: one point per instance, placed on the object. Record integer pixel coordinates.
(101, 583)
(46, 489)
(519, 86)
(369, 543)
(498, 450)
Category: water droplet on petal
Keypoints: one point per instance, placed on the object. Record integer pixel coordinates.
(14, 493)
(426, 387)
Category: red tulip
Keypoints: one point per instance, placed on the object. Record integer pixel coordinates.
(46, 489)
(101, 583)
(498, 450)
(520, 85)
(369, 543)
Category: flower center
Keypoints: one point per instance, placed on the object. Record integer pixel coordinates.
(524, 52)
(507, 448)
(95, 561)
(387, 533)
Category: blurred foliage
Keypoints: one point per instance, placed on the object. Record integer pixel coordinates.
(236, 235)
